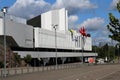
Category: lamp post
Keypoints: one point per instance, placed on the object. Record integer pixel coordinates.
(82, 49)
(55, 27)
(95, 51)
(4, 10)
(83, 33)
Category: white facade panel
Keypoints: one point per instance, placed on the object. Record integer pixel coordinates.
(66, 27)
(36, 37)
(55, 18)
(62, 20)
(88, 44)
(46, 38)
(23, 34)
(46, 20)
(1, 27)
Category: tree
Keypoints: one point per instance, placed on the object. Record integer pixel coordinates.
(17, 59)
(114, 25)
(104, 51)
(28, 59)
(118, 6)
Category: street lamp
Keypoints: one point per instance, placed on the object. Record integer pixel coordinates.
(82, 49)
(4, 10)
(55, 27)
(83, 34)
(95, 44)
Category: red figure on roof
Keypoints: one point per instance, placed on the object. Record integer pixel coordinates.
(83, 31)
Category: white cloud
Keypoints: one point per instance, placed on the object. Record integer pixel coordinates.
(93, 24)
(96, 27)
(29, 8)
(74, 6)
(72, 20)
(102, 32)
(114, 4)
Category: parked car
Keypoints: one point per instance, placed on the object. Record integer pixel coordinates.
(100, 61)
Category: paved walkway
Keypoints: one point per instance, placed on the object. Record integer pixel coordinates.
(98, 72)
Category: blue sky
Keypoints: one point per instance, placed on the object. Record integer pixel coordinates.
(92, 14)
(6, 3)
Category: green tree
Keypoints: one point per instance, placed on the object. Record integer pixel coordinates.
(118, 6)
(103, 51)
(114, 25)
(28, 59)
(17, 59)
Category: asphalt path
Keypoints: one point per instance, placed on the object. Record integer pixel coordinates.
(92, 72)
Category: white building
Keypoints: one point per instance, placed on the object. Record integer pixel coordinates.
(37, 36)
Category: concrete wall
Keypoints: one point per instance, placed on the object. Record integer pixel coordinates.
(46, 20)
(88, 44)
(21, 33)
(62, 20)
(46, 38)
(54, 17)
(53, 54)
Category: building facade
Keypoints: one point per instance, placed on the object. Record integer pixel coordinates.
(39, 38)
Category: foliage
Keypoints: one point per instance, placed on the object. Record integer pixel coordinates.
(104, 51)
(114, 25)
(28, 59)
(1, 64)
(118, 6)
(17, 58)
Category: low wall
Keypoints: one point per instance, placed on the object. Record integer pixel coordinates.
(24, 70)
